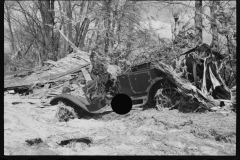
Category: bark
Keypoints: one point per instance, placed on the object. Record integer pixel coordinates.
(86, 25)
(40, 58)
(69, 23)
(84, 33)
(121, 4)
(198, 22)
(65, 45)
(10, 27)
(213, 9)
(47, 14)
(107, 24)
(129, 40)
(79, 25)
(82, 9)
(79, 31)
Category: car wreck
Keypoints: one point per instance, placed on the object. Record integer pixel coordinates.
(142, 82)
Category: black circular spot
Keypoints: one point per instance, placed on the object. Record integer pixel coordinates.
(121, 104)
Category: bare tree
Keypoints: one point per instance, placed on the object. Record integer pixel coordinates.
(8, 17)
(69, 22)
(107, 25)
(213, 9)
(198, 22)
(47, 14)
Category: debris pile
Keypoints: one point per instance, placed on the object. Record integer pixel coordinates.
(210, 93)
(49, 80)
(205, 90)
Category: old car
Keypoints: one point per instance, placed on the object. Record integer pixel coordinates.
(140, 83)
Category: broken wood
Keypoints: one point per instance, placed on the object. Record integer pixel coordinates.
(214, 80)
(195, 73)
(204, 85)
(55, 76)
(86, 75)
(38, 76)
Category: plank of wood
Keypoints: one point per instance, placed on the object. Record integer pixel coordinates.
(86, 74)
(55, 76)
(46, 79)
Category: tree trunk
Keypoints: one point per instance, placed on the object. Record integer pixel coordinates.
(121, 4)
(10, 28)
(84, 33)
(129, 40)
(198, 22)
(47, 14)
(40, 58)
(86, 25)
(79, 27)
(213, 9)
(65, 45)
(107, 24)
(69, 23)
(79, 32)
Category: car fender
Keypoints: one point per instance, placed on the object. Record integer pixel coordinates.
(76, 102)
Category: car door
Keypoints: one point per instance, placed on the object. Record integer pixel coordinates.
(140, 81)
(124, 85)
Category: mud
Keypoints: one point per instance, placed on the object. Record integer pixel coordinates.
(148, 132)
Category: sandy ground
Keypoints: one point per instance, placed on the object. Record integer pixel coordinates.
(148, 132)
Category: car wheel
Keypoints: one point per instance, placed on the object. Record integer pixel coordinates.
(166, 87)
(65, 113)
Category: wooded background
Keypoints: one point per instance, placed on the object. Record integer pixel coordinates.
(122, 30)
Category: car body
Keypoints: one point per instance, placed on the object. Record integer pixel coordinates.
(140, 83)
